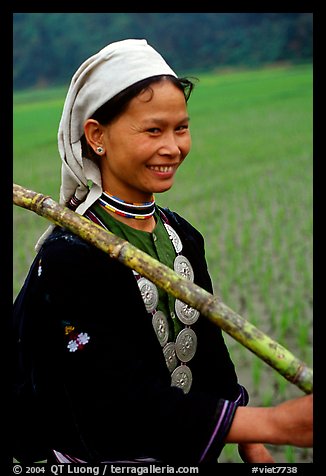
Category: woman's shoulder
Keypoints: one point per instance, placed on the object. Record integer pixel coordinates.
(182, 225)
(63, 246)
(61, 236)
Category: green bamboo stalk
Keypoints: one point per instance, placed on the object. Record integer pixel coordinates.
(274, 354)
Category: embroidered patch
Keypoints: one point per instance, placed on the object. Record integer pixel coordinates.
(77, 339)
(69, 329)
(39, 269)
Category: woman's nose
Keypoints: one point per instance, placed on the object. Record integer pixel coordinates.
(170, 146)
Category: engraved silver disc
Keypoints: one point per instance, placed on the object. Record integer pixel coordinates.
(149, 294)
(161, 327)
(170, 356)
(186, 314)
(174, 237)
(186, 344)
(183, 267)
(182, 378)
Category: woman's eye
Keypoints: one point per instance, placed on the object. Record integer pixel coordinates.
(183, 128)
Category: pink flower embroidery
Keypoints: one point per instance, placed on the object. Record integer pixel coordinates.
(72, 346)
(83, 338)
(78, 342)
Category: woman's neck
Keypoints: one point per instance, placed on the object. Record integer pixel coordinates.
(143, 225)
(138, 215)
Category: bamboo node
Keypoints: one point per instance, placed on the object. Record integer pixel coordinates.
(38, 200)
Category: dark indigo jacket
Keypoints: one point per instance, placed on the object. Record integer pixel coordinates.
(111, 399)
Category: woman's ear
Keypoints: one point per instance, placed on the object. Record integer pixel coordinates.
(94, 135)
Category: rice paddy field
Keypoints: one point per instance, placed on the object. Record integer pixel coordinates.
(246, 185)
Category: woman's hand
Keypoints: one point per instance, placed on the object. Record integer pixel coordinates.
(288, 423)
(294, 418)
(254, 453)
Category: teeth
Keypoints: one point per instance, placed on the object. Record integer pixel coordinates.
(161, 168)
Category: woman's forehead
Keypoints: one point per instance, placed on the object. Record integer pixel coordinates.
(164, 95)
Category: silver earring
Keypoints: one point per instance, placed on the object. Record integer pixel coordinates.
(100, 150)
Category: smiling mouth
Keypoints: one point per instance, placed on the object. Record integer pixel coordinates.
(162, 168)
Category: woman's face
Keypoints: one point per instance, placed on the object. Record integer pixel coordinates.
(146, 144)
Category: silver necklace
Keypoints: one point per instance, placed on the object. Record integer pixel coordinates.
(177, 353)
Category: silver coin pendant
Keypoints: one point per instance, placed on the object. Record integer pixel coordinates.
(161, 327)
(186, 314)
(170, 356)
(183, 267)
(186, 344)
(149, 294)
(174, 237)
(182, 378)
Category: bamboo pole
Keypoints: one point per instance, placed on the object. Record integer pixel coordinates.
(275, 355)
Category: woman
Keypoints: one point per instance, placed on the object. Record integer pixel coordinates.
(112, 368)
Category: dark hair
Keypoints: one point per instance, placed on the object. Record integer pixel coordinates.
(115, 106)
(118, 104)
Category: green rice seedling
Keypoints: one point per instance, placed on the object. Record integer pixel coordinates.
(267, 398)
(303, 332)
(284, 324)
(289, 454)
(281, 385)
(256, 374)
(230, 454)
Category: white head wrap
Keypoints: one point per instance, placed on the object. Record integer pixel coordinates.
(102, 76)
